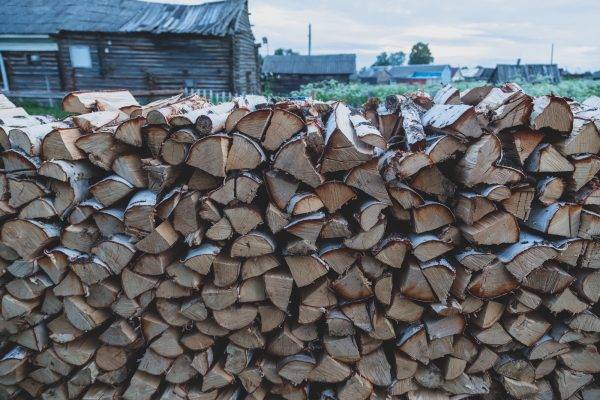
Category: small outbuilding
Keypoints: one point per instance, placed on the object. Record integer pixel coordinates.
(474, 74)
(421, 74)
(376, 75)
(284, 74)
(531, 73)
(418, 74)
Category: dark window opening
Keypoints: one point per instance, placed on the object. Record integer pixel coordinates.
(34, 59)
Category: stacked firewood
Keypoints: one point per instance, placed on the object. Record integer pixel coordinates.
(429, 248)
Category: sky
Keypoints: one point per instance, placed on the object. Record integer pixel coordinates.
(459, 32)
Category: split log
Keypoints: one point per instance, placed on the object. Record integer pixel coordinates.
(210, 154)
(583, 138)
(496, 228)
(458, 120)
(85, 102)
(293, 159)
(343, 150)
(551, 112)
(282, 127)
(586, 167)
(150, 245)
(560, 219)
(479, 164)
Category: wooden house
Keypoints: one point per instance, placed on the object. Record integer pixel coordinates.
(64, 45)
(375, 75)
(421, 74)
(525, 73)
(287, 73)
(474, 74)
(417, 74)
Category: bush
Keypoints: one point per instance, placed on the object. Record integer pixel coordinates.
(34, 108)
(357, 93)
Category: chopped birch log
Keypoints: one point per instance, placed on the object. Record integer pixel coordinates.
(434, 248)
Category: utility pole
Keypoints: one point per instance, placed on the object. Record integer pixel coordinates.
(309, 39)
(552, 54)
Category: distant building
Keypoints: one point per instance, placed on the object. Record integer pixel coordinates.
(414, 74)
(287, 73)
(377, 75)
(486, 74)
(421, 74)
(525, 72)
(63, 45)
(566, 74)
(474, 74)
(455, 73)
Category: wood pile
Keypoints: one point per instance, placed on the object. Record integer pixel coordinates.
(428, 248)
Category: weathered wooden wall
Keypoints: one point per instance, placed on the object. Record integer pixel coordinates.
(246, 75)
(22, 75)
(140, 62)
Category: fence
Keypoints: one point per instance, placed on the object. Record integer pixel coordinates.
(52, 98)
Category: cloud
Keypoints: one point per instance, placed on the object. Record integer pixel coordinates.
(460, 32)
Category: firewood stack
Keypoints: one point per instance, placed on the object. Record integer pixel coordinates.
(429, 248)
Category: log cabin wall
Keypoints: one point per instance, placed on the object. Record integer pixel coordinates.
(245, 58)
(145, 46)
(148, 62)
(27, 70)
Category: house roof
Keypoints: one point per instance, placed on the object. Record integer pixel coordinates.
(330, 64)
(34, 17)
(526, 72)
(374, 71)
(478, 72)
(474, 72)
(417, 70)
(487, 73)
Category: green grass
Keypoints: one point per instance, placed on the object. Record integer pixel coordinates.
(357, 93)
(34, 108)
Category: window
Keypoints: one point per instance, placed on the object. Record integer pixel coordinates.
(80, 56)
(34, 59)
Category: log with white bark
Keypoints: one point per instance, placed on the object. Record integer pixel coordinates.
(433, 248)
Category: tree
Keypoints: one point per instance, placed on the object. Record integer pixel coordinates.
(397, 58)
(285, 52)
(381, 60)
(420, 54)
(390, 59)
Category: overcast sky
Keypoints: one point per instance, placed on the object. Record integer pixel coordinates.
(459, 32)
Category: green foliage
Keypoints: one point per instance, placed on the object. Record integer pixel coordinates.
(381, 60)
(285, 52)
(420, 54)
(34, 108)
(357, 94)
(384, 58)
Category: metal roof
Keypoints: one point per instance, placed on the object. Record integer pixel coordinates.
(330, 64)
(372, 72)
(417, 70)
(26, 17)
